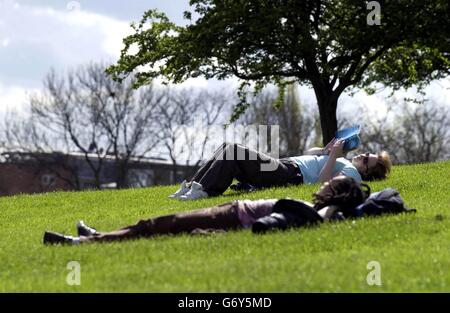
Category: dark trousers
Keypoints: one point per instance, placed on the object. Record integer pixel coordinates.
(235, 161)
(222, 217)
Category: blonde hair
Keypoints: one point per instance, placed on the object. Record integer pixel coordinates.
(382, 168)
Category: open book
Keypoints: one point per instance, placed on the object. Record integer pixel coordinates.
(351, 137)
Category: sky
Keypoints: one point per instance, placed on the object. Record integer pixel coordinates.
(38, 35)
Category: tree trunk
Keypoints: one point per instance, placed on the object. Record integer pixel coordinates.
(327, 109)
(97, 180)
(174, 172)
(121, 175)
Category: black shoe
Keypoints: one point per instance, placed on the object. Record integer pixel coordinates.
(84, 230)
(52, 238)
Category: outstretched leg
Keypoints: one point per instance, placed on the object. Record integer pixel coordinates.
(205, 167)
(224, 216)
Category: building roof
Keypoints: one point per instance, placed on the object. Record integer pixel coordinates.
(6, 156)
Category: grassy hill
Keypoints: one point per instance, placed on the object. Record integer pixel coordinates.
(413, 250)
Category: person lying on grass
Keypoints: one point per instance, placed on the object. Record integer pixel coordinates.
(235, 161)
(333, 197)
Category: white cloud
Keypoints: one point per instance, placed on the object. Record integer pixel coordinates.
(5, 42)
(14, 97)
(34, 39)
(85, 27)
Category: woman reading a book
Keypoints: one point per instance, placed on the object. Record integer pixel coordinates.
(331, 201)
(235, 161)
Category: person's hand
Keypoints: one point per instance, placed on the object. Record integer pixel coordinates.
(337, 150)
(327, 149)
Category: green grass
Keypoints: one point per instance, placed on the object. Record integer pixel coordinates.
(413, 250)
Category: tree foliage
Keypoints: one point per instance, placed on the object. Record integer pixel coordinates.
(327, 44)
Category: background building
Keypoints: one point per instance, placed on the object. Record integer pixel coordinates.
(45, 172)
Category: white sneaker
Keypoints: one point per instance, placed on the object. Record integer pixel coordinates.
(183, 189)
(196, 192)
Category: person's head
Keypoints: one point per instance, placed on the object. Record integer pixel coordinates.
(342, 191)
(373, 166)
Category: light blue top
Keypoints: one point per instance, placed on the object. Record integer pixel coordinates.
(311, 165)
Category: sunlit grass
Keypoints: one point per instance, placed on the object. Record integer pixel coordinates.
(413, 250)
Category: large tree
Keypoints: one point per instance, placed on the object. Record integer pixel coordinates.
(331, 45)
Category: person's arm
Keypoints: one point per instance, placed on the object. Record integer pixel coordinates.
(351, 171)
(315, 151)
(327, 211)
(327, 170)
(321, 151)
